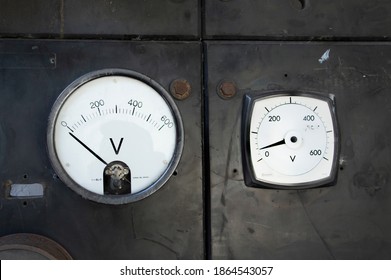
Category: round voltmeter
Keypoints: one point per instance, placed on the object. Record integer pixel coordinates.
(115, 136)
(289, 140)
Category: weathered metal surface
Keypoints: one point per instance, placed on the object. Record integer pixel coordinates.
(99, 18)
(314, 19)
(347, 221)
(165, 225)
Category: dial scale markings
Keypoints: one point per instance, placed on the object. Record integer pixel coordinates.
(116, 110)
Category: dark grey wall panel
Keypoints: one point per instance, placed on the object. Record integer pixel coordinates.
(350, 220)
(297, 18)
(119, 17)
(30, 17)
(100, 18)
(166, 225)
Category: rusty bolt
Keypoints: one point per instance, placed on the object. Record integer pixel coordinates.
(180, 89)
(227, 90)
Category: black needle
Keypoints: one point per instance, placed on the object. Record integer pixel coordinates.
(282, 142)
(88, 149)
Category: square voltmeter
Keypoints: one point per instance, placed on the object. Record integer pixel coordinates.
(290, 140)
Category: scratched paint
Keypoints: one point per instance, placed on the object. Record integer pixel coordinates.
(324, 57)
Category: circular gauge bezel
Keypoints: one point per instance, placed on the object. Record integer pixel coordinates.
(110, 198)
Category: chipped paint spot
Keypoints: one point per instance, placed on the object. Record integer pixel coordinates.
(324, 57)
(26, 190)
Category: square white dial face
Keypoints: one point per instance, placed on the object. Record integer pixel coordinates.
(291, 140)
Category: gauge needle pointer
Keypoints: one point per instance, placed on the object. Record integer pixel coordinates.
(88, 149)
(282, 142)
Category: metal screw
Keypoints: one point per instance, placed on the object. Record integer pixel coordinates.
(299, 4)
(180, 89)
(227, 90)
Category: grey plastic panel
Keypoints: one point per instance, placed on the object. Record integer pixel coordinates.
(347, 221)
(297, 18)
(165, 225)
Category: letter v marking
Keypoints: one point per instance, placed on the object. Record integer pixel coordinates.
(116, 149)
(292, 158)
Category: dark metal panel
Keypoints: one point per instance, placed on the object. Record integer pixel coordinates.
(347, 221)
(30, 17)
(166, 225)
(102, 18)
(119, 17)
(297, 18)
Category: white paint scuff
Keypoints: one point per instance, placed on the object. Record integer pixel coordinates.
(324, 57)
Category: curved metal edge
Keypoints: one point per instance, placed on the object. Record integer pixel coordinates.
(114, 199)
(34, 243)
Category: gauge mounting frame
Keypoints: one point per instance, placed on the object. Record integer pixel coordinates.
(111, 198)
(248, 103)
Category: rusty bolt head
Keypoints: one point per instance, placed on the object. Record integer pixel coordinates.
(227, 90)
(180, 89)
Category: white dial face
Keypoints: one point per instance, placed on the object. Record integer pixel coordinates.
(291, 139)
(114, 130)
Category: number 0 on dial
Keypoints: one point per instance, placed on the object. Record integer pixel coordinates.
(289, 140)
